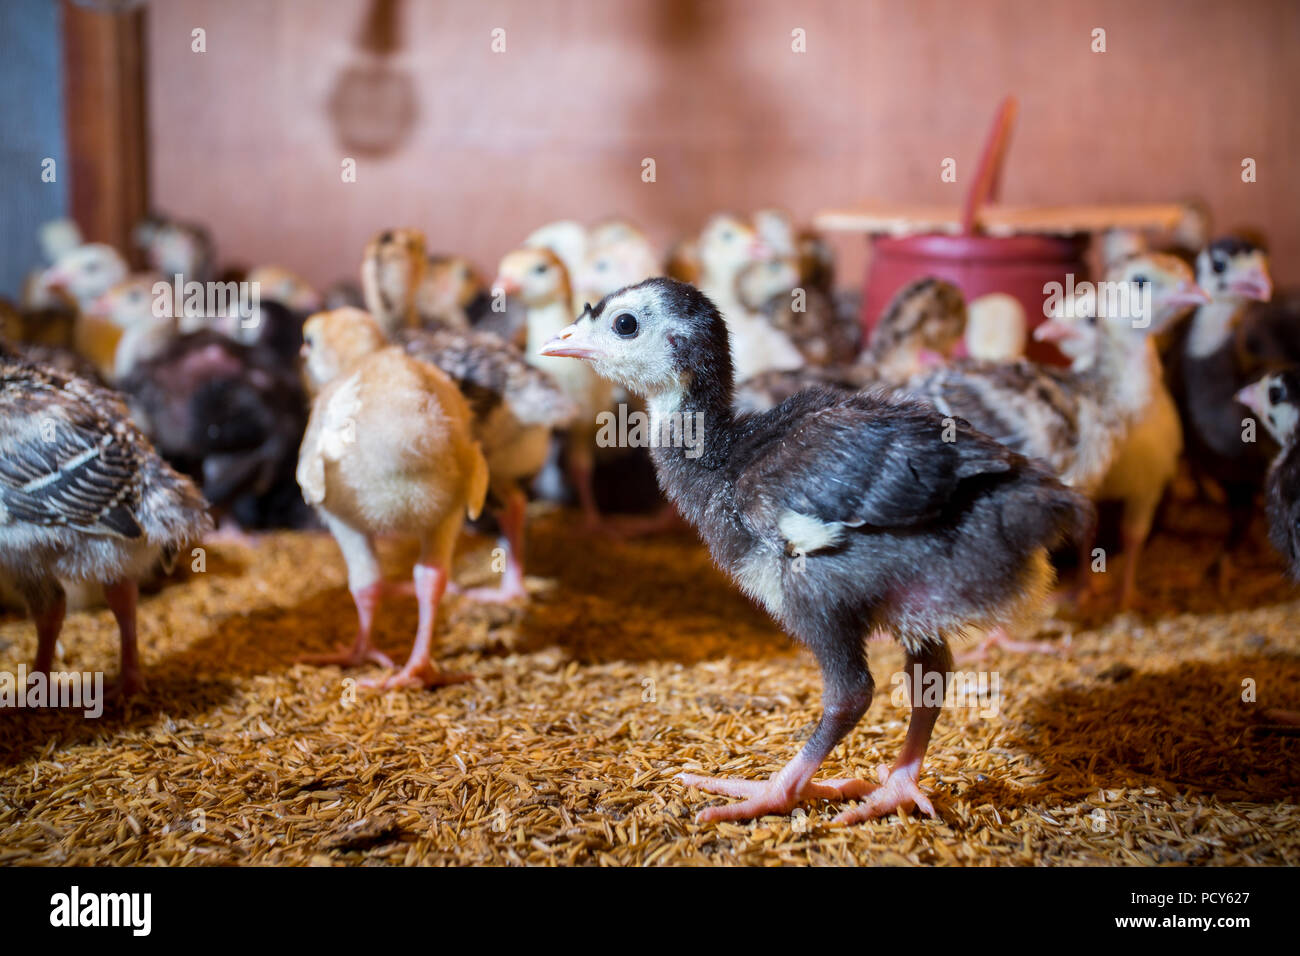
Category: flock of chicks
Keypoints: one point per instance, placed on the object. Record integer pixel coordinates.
(915, 486)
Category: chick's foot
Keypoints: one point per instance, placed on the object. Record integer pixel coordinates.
(423, 677)
(779, 794)
(899, 789)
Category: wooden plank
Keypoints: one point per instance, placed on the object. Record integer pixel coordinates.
(904, 219)
(104, 97)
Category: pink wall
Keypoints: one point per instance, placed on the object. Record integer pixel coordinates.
(558, 124)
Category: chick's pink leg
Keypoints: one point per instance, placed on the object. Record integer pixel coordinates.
(845, 699)
(122, 598)
(420, 671)
(900, 787)
(363, 649)
(49, 622)
(367, 587)
(512, 529)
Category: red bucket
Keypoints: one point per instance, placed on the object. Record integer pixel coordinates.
(1017, 265)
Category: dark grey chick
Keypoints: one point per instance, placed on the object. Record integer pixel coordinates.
(1276, 400)
(843, 514)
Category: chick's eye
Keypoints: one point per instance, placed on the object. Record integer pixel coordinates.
(540, 268)
(1219, 263)
(626, 325)
(1275, 393)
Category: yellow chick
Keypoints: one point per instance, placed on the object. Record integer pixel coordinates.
(387, 450)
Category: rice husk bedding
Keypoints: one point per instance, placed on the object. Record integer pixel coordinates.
(633, 661)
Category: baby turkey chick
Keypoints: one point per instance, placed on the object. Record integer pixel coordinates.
(1071, 420)
(388, 450)
(392, 269)
(1208, 367)
(538, 279)
(1276, 400)
(844, 515)
(83, 497)
(1145, 460)
(727, 245)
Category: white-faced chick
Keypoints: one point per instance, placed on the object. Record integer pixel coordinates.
(777, 230)
(537, 278)
(388, 450)
(1145, 461)
(996, 328)
(1072, 420)
(569, 241)
(844, 515)
(84, 497)
(85, 273)
(726, 246)
(1207, 366)
(1276, 400)
(392, 269)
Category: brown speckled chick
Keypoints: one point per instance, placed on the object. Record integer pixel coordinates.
(922, 324)
(83, 497)
(843, 514)
(388, 450)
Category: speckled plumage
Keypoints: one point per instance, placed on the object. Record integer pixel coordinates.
(927, 314)
(1055, 415)
(83, 497)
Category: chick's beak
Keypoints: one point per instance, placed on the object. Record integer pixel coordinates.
(506, 284)
(1188, 293)
(1253, 283)
(1055, 330)
(1250, 396)
(570, 342)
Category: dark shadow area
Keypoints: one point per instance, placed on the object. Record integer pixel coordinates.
(1184, 731)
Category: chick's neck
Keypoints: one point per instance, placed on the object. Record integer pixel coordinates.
(695, 424)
